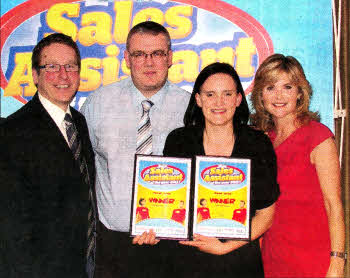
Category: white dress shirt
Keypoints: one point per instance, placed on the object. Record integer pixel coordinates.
(56, 113)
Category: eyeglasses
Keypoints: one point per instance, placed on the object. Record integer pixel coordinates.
(57, 67)
(140, 56)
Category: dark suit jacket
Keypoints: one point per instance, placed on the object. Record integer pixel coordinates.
(44, 201)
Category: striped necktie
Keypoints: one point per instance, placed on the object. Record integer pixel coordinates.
(75, 145)
(144, 132)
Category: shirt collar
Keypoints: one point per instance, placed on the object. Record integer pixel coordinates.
(56, 113)
(157, 98)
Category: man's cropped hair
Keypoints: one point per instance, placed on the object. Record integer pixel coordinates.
(51, 39)
(148, 27)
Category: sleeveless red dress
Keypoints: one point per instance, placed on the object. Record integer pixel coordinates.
(298, 243)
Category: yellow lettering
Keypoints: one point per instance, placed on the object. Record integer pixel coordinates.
(244, 52)
(123, 11)
(21, 75)
(226, 55)
(209, 56)
(90, 78)
(212, 171)
(110, 65)
(152, 171)
(58, 23)
(99, 33)
(207, 178)
(125, 70)
(176, 17)
(185, 66)
(153, 14)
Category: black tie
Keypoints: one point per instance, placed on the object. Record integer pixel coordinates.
(75, 145)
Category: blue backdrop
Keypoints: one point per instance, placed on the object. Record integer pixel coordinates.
(302, 29)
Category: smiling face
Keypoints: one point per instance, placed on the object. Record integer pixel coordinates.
(58, 87)
(280, 99)
(149, 74)
(218, 99)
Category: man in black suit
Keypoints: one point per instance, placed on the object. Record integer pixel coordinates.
(45, 195)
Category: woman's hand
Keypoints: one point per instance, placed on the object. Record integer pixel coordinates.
(146, 238)
(212, 245)
(336, 268)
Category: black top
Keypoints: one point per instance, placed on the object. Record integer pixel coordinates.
(44, 200)
(251, 144)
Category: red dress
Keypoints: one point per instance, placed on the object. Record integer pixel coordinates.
(298, 243)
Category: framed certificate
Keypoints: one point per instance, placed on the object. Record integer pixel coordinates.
(161, 196)
(222, 197)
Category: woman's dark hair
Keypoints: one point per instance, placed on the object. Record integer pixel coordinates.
(201, 201)
(194, 115)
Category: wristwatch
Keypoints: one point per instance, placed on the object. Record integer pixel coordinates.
(342, 255)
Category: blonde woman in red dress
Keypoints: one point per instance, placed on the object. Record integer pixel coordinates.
(307, 236)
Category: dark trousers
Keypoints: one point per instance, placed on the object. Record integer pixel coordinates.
(116, 256)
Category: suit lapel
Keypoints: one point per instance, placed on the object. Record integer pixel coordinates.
(87, 151)
(45, 121)
(83, 136)
(47, 124)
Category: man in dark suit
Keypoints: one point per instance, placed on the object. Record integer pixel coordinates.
(47, 182)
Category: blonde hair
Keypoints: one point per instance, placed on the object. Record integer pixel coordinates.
(268, 73)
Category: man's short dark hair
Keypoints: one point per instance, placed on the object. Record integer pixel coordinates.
(50, 39)
(149, 27)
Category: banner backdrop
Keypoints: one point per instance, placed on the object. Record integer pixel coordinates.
(242, 33)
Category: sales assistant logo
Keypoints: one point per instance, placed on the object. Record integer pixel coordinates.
(162, 174)
(222, 174)
(100, 29)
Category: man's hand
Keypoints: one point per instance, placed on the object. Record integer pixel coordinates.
(146, 238)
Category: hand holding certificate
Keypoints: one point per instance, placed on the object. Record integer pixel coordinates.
(162, 204)
(146, 238)
(213, 245)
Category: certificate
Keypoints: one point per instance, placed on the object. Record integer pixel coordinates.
(222, 197)
(161, 196)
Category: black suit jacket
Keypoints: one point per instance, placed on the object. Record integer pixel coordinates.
(44, 200)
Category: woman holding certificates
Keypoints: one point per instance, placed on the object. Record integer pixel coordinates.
(216, 125)
(308, 234)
